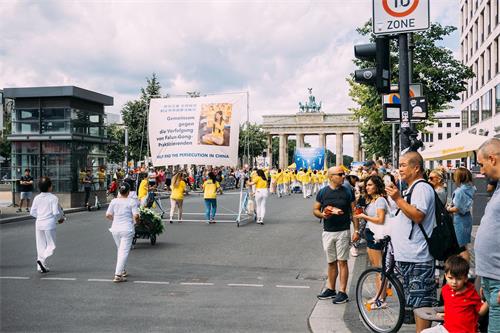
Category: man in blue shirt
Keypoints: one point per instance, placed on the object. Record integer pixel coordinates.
(487, 243)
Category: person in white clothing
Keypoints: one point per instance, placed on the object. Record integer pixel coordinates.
(123, 211)
(47, 211)
(260, 183)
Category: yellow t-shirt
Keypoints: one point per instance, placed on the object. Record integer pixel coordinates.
(300, 174)
(218, 130)
(280, 179)
(259, 182)
(314, 178)
(287, 177)
(143, 189)
(306, 178)
(210, 189)
(178, 192)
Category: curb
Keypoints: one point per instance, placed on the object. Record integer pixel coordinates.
(29, 217)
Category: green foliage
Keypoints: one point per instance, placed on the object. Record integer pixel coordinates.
(134, 115)
(256, 139)
(116, 151)
(443, 77)
(150, 222)
(6, 131)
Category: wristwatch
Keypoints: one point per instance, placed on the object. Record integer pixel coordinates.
(357, 231)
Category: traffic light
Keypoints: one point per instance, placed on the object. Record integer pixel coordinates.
(379, 76)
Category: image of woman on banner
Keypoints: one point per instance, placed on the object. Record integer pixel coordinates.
(214, 120)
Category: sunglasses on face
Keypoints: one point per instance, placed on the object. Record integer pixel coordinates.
(338, 174)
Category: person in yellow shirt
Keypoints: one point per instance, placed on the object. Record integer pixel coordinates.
(272, 187)
(260, 183)
(210, 189)
(306, 184)
(300, 174)
(178, 187)
(315, 182)
(143, 190)
(217, 135)
(280, 181)
(286, 182)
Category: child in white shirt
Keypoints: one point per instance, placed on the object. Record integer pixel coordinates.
(47, 212)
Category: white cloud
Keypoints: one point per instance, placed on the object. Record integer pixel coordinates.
(274, 49)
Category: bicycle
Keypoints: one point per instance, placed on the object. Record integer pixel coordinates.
(380, 296)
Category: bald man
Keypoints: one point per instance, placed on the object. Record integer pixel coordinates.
(335, 204)
(487, 243)
(411, 251)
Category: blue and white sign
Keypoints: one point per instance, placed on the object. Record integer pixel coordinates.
(313, 158)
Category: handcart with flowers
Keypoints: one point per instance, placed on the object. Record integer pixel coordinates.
(149, 226)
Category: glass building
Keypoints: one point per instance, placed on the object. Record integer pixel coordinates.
(58, 132)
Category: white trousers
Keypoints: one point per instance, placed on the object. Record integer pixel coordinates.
(260, 203)
(45, 244)
(173, 204)
(123, 241)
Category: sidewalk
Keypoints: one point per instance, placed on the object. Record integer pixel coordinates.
(327, 317)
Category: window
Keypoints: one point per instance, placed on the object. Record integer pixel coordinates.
(432, 137)
(486, 105)
(497, 99)
(474, 113)
(440, 124)
(448, 124)
(448, 135)
(26, 121)
(440, 136)
(457, 125)
(465, 119)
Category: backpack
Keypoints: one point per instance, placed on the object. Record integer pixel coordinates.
(443, 241)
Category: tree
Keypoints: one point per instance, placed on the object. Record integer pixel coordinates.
(116, 151)
(134, 115)
(255, 138)
(442, 76)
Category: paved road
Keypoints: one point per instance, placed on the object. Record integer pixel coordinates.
(198, 278)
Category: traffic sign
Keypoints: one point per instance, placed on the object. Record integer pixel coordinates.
(394, 98)
(392, 112)
(400, 16)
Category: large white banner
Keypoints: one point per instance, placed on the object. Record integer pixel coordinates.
(202, 130)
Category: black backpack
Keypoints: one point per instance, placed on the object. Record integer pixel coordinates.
(443, 241)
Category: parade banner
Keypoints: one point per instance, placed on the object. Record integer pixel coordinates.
(201, 131)
(313, 158)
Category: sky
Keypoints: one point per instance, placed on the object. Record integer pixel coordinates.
(274, 49)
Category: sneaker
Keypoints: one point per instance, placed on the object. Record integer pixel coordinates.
(119, 278)
(19, 210)
(28, 210)
(43, 269)
(171, 222)
(327, 294)
(378, 305)
(208, 222)
(124, 274)
(340, 298)
(354, 251)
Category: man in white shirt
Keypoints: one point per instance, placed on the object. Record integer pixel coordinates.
(411, 251)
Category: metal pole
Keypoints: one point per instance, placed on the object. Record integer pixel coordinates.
(394, 145)
(404, 83)
(126, 148)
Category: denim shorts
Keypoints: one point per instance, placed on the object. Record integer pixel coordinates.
(370, 240)
(419, 283)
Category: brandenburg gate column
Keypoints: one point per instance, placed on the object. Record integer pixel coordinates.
(355, 143)
(300, 140)
(322, 144)
(283, 153)
(270, 150)
(338, 150)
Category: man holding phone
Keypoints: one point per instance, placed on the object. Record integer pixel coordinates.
(335, 204)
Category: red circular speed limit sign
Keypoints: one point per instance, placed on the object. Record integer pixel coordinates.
(399, 8)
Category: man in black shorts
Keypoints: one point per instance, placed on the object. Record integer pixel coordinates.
(26, 189)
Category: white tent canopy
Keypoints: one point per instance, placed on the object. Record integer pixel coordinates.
(458, 146)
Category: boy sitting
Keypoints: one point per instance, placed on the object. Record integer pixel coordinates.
(462, 304)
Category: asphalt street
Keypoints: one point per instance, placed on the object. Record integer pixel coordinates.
(197, 278)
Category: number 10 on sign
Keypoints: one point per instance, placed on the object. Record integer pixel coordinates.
(400, 16)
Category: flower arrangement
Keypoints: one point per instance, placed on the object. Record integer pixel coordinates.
(150, 222)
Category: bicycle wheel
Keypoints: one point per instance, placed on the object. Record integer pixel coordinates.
(380, 315)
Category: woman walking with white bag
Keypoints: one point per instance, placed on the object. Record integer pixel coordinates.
(260, 182)
(124, 213)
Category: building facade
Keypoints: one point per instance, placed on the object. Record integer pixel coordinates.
(58, 132)
(480, 50)
(446, 126)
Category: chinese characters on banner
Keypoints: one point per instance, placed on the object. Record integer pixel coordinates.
(202, 131)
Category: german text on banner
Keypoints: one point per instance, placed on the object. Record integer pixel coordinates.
(202, 130)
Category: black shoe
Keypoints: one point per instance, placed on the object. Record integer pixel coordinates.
(42, 267)
(340, 298)
(327, 294)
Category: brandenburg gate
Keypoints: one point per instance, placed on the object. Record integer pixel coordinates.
(310, 120)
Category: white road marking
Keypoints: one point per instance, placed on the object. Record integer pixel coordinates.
(58, 279)
(296, 287)
(244, 285)
(99, 280)
(15, 277)
(152, 282)
(196, 284)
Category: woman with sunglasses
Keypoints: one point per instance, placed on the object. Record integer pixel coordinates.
(436, 179)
